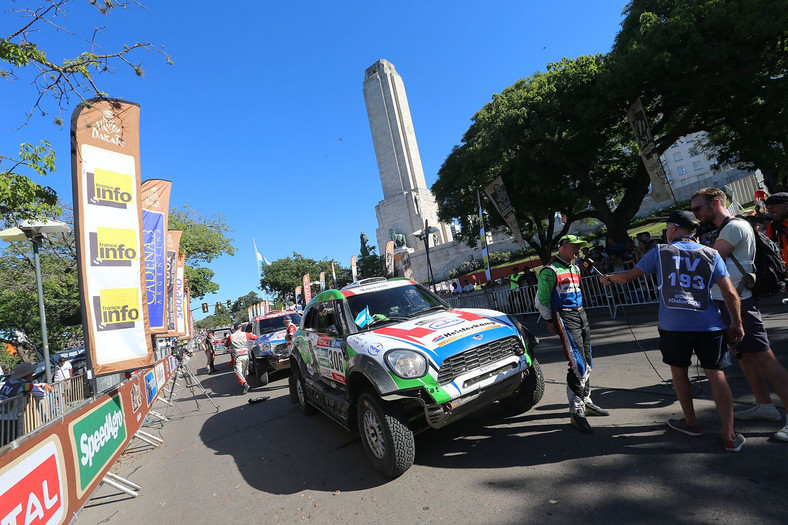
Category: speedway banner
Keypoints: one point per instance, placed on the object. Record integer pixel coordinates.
(496, 191)
(660, 186)
(390, 259)
(105, 167)
(173, 247)
(155, 210)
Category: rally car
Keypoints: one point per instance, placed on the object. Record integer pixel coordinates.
(390, 358)
(270, 352)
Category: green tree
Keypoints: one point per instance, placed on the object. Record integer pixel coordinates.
(203, 240)
(282, 276)
(710, 65)
(19, 296)
(369, 263)
(54, 82)
(239, 308)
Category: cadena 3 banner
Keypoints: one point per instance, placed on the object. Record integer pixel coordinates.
(108, 223)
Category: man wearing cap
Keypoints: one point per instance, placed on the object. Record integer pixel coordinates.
(735, 240)
(560, 302)
(689, 320)
(777, 206)
(237, 346)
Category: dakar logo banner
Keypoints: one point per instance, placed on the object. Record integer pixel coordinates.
(113, 246)
(108, 214)
(155, 208)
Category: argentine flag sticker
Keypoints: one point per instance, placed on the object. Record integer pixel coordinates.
(363, 318)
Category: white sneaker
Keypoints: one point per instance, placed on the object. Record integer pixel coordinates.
(782, 434)
(758, 412)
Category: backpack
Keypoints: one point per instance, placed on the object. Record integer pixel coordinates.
(770, 271)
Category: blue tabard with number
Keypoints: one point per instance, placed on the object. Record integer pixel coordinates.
(685, 272)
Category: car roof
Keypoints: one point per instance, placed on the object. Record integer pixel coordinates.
(361, 287)
(271, 315)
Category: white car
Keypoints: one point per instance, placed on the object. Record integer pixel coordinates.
(390, 358)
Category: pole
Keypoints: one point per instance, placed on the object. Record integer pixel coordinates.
(44, 339)
(427, 252)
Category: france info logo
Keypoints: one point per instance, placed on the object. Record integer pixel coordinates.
(108, 188)
(116, 308)
(113, 246)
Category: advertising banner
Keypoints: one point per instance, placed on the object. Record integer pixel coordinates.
(307, 290)
(483, 239)
(173, 247)
(353, 270)
(390, 259)
(105, 170)
(322, 282)
(155, 210)
(334, 275)
(180, 297)
(496, 191)
(660, 186)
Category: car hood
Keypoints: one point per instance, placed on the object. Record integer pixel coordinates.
(438, 335)
(272, 337)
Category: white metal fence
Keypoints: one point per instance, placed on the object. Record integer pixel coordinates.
(642, 290)
(25, 413)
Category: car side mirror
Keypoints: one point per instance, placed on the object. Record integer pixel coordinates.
(332, 331)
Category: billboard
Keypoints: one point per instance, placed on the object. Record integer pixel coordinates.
(155, 210)
(108, 226)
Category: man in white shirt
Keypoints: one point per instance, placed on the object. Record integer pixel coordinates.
(734, 239)
(63, 370)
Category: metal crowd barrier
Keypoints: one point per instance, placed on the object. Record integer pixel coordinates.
(25, 413)
(642, 290)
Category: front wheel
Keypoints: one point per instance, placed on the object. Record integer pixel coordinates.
(387, 438)
(298, 392)
(530, 392)
(261, 373)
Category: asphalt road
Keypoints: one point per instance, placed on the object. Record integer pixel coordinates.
(268, 463)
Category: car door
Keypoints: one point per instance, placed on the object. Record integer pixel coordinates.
(329, 346)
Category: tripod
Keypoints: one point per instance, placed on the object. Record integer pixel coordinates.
(182, 371)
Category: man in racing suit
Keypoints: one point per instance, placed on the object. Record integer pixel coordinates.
(291, 330)
(237, 346)
(560, 302)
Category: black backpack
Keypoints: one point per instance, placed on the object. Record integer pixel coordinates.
(770, 272)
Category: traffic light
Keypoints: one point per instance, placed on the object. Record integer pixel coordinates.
(218, 305)
(205, 308)
(229, 303)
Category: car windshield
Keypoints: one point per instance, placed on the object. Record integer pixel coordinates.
(394, 303)
(273, 324)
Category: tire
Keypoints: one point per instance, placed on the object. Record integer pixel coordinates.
(298, 393)
(261, 374)
(388, 440)
(530, 392)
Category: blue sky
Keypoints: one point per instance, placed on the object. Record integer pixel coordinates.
(262, 116)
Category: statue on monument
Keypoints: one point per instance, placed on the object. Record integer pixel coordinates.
(398, 238)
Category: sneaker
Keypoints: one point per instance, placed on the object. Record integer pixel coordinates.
(758, 412)
(580, 422)
(595, 410)
(736, 444)
(782, 434)
(246, 388)
(682, 426)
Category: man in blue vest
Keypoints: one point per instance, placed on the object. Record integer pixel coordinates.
(689, 320)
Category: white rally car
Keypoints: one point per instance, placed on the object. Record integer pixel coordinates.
(391, 359)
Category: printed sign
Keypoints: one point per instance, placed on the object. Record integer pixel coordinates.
(160, 377)
(173, 246)
(108, 214)
(96, 437)
(155, 208)
(151, 389)
(136, 396)
(180, 299)
(33, 487)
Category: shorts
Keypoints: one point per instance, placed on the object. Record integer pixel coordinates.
(755, 338)
(677, 348)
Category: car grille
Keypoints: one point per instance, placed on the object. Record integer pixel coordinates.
(479, 356)
(280, 349)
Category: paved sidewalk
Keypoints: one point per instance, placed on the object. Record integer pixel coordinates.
(268, 463)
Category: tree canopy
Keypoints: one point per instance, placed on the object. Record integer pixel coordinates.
(282, 276)
(202, 241)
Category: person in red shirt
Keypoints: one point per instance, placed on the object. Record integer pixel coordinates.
(291, 330)
(777, 206)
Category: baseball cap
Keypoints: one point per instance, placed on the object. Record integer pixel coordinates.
(683, 219)
(236, 326)
(777, 198)
(23, 369)
(570, 239)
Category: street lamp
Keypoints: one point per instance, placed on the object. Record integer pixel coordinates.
(36, 232)
(424, 235)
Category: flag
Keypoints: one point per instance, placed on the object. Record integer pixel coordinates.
(363, 318)
(660, 185)
(500, 199)
(260, 259)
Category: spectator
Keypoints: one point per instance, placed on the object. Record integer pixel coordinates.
(20, 382)
(468, 286)
(63, 370)
(777, 205)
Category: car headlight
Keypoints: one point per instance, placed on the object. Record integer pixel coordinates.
(407, 364)
(266, 347)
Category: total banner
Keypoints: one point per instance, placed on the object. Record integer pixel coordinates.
(155, 210)
(105, 170)
(173, 246)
